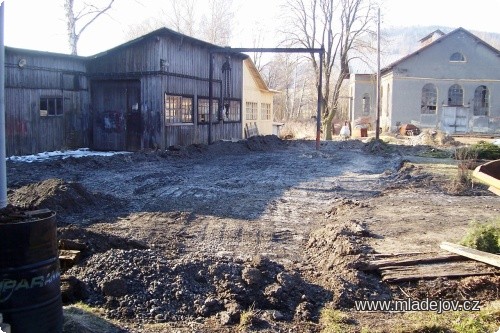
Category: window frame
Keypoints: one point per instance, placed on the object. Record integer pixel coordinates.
(251, 111)
(428, 102)
(231, 117)
(481, 106)
(215, 110)
(366, 101)
(265, 111)
(459, 57)
(452, 95)
(178, 119)
(57, 109)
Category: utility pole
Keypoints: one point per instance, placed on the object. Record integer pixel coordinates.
(3, 166)
(377, 123)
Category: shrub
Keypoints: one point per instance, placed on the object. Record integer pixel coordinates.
(487, 150)
(466, 157)
(483, 236)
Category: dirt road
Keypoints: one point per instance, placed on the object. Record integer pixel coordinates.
(223, 206)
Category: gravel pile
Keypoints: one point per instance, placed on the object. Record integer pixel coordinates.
(139, 285)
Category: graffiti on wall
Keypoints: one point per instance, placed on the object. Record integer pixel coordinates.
(113, 121)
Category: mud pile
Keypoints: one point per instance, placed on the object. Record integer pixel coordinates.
(337, 251)
(142, 286)
(70, 200)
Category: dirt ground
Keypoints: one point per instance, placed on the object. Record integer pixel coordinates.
(194, 239)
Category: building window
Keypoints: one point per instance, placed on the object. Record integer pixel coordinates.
(51, 106)
(481, 101)
(232, 111)
(251, 111)
(429, 99)
(457, 57)
(203, 111)
(366, 104)
(178, 109)
(265, 111)
(455, 95)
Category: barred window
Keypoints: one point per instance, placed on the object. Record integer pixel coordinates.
(178, 109)
(203, 109)
(51, 106)
(265, 110)
(429, 99)
(251, 111)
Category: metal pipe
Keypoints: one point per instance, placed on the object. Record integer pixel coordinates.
(320, 99)
(377, 123)
(278, 50)
(3, 167)
(210, 97)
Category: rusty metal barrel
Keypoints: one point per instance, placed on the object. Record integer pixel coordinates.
(30, 290)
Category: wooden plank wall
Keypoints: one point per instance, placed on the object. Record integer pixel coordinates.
(165, 64)
(44, 75)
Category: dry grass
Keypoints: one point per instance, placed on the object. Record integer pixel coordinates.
(466, 158)
(296, 129)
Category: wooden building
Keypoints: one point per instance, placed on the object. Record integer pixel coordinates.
(46, 102)
(152, 92)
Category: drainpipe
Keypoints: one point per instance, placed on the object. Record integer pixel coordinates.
(3, 168)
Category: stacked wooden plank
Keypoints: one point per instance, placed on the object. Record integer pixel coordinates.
(395, 268)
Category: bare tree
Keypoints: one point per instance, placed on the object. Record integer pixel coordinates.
(182, 16)
(186, 17)
(144, 27)
(292, 76)
(218, 25)
(339, 26)
(78, 20)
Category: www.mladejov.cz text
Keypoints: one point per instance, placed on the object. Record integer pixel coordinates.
(436, 305)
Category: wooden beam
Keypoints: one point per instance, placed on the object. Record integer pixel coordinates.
(433, 271)
(411, 261)
(488, 258)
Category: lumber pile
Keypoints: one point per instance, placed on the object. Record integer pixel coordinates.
(395, 268)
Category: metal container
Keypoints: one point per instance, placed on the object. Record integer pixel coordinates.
(30, 290)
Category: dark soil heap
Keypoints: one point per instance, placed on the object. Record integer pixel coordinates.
(70, 200)
(142, 286)
(54, 194)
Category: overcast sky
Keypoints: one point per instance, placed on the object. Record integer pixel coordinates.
(39, 24)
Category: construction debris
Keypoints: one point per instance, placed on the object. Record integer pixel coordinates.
(423, 266)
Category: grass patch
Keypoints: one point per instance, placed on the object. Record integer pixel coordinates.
(483, 236)
(485, 321)
(80, 317)
(248, 318)
(374, 146)
(334, 321)
(435, 153)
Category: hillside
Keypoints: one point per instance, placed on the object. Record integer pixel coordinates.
(397, 42)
